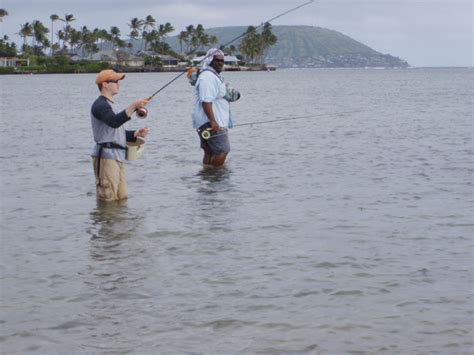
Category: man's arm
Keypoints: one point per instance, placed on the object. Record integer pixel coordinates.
(207, 107)
(207, 94)
(103, 112)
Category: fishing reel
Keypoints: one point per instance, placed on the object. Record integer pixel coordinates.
(206, 134)
(141, 112)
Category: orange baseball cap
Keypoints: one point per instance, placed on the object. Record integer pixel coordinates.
(108, 75)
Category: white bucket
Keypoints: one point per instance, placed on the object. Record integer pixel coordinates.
(135, 149)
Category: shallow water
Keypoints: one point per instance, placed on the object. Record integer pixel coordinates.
(345, 230)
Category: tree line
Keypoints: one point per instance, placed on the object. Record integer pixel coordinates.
(41, 40)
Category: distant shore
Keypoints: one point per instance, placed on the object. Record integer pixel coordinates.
(74, 69)
(27, 71)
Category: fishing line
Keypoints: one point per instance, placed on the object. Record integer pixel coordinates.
(207, 134)
(233, 40)
(294, 118)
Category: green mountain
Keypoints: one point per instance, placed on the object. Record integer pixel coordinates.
(310, 47)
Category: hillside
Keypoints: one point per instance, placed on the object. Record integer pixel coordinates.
(311, 47)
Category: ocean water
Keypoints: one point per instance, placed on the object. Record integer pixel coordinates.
(346, 227)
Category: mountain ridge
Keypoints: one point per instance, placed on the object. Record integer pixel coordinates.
(309, 47)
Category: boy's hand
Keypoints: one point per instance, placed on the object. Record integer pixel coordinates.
(142, 132)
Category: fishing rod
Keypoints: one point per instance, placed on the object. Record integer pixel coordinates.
(207, 132)
(294, 118)
(143, 111)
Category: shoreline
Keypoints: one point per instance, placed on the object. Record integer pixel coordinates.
(240, 69)
(35, 71)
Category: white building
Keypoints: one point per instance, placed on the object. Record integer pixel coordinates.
(13, 62)
(114, 58)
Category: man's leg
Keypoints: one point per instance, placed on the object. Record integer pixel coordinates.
(207, 159)
(218, 160)
(122, 190)
(107, 184)
(219, 147)
(215, 148)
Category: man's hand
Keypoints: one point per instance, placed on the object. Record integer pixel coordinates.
(135, 106)
(214, 126)
(142, 132)
(207, 107)
(141, 103)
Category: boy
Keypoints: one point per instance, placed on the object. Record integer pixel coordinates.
(111, 137)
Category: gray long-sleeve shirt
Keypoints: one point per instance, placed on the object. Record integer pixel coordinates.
(107, 126)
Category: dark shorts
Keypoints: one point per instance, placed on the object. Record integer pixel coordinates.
(217, 143)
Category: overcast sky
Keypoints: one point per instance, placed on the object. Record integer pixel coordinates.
(423, 32)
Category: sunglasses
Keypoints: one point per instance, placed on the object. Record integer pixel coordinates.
(218, 60)
(112, 81)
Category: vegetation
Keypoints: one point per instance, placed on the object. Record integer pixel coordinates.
(7, 49)
(255, 45)
(3, 13)
(195, 38)
(49, 48)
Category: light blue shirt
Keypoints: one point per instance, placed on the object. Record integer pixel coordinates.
(210, 88)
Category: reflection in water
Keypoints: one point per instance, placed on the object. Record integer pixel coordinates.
(114, 277)
(214, 174)
(115, 243)
(214, 184)
(113, 224)
(107, 219)
(216, 204)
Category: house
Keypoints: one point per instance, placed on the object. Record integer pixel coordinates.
(168, 61)
(14, 62)
(114, 57)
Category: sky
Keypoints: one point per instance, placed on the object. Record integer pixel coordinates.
(429, 33)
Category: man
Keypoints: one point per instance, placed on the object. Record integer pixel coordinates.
(111, 137)
(212, 110)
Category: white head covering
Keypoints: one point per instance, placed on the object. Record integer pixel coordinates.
(210, 56)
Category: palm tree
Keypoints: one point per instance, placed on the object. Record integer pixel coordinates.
(3, 13)
(53, 18)
(75, 38)
(55, 47)
(250, 44)
(25, 32)
(88, 41)
(196, 37)
(156, 38)
(7, 49)
(103, 36)
(161, 47)
(151, 37)
(190, 38)
(40, 38)
(201, 36)
(67, 28)
(213, 40)
(61, 36)
(148, 23)
(135, 26)
(182, 37)
(115, 34)
(165, 29)
(267, 39)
